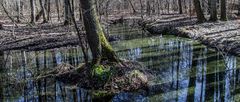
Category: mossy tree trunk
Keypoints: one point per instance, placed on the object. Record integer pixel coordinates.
(213, 10)
(224, 10)
(100, 47)
(199, 11)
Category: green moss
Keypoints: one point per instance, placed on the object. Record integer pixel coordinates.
(99, 94)
(101, 72)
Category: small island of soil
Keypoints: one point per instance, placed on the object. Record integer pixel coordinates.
(109, 78)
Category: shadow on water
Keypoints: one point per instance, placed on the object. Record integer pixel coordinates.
(183, 70)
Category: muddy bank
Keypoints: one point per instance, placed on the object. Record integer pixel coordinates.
(223, 36)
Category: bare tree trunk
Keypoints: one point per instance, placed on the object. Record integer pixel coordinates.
(168, 6)
(67, 14)
(148, 10)
(33, 13)
(239, 7)
(200, 15)
(1, 61)
(1, 76)
(80, 12)
(100, 47)
(18, 3)
(213, 10)
(224, 10)
(43, 11)
(93, 29)
(48, 9)
(141, 9)
(57, 7)
(180, 6)
(81, 38)
(73, 8)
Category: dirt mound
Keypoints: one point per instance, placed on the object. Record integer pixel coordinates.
(110, 77)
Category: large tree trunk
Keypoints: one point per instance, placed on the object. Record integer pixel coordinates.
(33, 13)
(67, 14)
(180, 6)
(223, 10)
(97, 41)
(200, 15)
(213, 10)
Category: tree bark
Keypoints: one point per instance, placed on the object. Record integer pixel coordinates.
(48, 9)
(80, 12)
(200, 15)
(100, 47)
(2, 75)
(1, 61)
(224, 10)
(67, 14)
(33, 13)
(43, 11)
(18, 3)
(81, 38)
(180, 6)
(57, 7)
(213, 10)
(239, 7)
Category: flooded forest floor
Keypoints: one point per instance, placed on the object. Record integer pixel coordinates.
(224, 36)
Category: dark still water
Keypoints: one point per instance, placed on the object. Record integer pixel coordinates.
(183, 70)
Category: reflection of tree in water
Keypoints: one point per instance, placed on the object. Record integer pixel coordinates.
(200, 82)
(230, 78)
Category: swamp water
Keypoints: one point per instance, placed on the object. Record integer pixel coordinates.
(183, 70)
